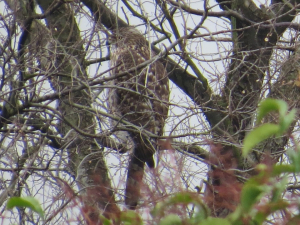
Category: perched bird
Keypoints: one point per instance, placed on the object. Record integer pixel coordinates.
(141, 98)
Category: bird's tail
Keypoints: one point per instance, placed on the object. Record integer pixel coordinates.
(133, 183)
(134, 180)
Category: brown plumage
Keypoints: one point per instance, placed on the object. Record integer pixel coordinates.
(143, 104)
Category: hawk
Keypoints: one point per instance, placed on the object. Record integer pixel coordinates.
(141, 97)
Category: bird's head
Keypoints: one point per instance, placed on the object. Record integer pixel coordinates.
(127, 36)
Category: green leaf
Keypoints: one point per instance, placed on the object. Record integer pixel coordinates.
(236, 215)
(283, 168)
(258, 135)
(250, 195)
(269, 208)
(181, 198)
(28, 202)
(260, 217)
(286, 121)
(278, 189)
(171, 219)
(214, 221)
(269, 105)
(199, 216)
(105, 221)
(158, 209)
(294, 157)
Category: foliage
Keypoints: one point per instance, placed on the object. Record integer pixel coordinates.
(261, 196)
(27, 202)
(60, 141)
(267, 130)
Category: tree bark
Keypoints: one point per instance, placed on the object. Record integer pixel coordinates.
(86, 158)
